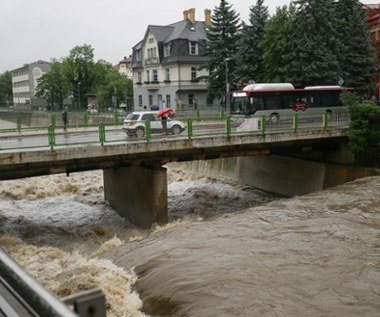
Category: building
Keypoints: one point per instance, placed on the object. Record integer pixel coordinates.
(24, 85)
(124, 67)
(372, 14)
(166, 64)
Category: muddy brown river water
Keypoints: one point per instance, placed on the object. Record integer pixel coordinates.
(227, 251)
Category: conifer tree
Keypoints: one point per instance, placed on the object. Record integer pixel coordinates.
(314, 45)
(275, 44)
(357, 58)
(221, 48)
(249, 63)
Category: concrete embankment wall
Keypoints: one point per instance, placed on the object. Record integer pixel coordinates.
(278, 174)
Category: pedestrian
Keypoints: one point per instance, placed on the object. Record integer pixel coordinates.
(164, 122)
(64, 118)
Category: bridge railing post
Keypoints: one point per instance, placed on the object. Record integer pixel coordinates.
(51, 136)
(228, 125)
(190, 128)
(85, 119)
(325, 119)
(295, 122)
(263, 123)
(102, 133)
(53, 120)
(197, 115)
(148, 130)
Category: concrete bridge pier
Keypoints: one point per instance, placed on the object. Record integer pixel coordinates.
(139, 194)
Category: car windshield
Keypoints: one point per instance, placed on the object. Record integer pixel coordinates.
(132, 116)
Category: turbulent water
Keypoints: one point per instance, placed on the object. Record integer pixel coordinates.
(227, 250)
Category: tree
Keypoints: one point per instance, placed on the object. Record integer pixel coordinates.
(314, 46)
(249, 58)
(221, 46)
(80, 71)
(6, 96)
(275, 44)
(112, 88)
(364, 129)
(53, 86)
(357, 55)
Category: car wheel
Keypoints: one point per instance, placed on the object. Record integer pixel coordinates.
(140, 132)
(176, 129)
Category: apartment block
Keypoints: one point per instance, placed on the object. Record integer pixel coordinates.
(24, 84)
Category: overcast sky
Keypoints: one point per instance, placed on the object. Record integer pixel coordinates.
(32, 30)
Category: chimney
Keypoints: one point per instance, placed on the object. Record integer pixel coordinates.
(208, 17)
(192, 15)
(185, 15)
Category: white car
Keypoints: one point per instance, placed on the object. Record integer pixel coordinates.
(134, 124)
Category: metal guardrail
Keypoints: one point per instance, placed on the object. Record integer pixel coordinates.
(23, 296)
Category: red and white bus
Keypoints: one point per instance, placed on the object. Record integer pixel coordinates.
(276, 100)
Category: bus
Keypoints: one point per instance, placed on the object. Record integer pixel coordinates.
(277, 100)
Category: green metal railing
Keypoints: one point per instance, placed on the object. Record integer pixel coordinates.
(53, 135)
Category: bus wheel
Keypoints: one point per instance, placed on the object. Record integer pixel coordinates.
(274, 118)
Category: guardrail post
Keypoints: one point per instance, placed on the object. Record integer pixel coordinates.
(148, 130)
(295, 122)
(18, 123)
(228, 125)
(263, 123)
(51, 136)
(53, 120)
(102, 133)
(190, 128)
(85, 119)
(325, 120)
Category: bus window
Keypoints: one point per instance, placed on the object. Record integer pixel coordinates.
(273, 101)
(330, 99)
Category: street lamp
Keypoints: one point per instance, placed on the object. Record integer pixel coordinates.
(228, 108)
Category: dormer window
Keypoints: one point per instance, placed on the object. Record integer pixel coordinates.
(193, 48)
(167, 50)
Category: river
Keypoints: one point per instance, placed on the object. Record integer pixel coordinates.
(228, 250)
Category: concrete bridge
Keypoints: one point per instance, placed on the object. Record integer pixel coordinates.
(135, 181)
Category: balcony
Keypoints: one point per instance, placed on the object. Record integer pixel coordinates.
(151, 61)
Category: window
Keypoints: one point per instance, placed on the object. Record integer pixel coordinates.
(191, 99)
(138, 56)
(193, 48)
(154, 75)
(150, 100)
(140, 100)
(167, 50)
(139, 77)
(147, 76)
(167, 74)
(193, 73)
(168, 101)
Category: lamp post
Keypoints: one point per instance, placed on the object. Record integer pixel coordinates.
(228, 108)
(78, 96)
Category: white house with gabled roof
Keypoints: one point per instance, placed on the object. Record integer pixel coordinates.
(166, 64)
